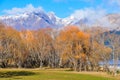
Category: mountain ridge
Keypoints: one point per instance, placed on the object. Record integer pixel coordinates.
(40, 19)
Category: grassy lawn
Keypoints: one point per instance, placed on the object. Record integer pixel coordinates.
(36, 74)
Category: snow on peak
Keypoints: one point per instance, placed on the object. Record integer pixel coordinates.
(38, 18)
(14, 16)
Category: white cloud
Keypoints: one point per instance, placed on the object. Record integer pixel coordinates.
(89, 13)
(28, 8)
(114, 2)
(95, 17)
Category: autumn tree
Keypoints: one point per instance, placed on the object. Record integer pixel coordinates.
(113, 40)
(74, 46)
(100, 52)
(68, 47)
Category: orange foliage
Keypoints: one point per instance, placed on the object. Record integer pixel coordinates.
(73, 42)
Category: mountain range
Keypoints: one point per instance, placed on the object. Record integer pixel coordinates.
(40, 19)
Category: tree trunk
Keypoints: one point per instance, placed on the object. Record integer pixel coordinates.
(19, 64)
(60, 63)
(41, 64)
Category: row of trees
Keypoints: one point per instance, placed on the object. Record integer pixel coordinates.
(69, 47)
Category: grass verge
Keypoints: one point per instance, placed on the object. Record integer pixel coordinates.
(49, 74)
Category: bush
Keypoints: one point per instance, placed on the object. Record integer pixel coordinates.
(118, 71)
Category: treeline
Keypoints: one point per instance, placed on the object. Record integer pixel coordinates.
(80, 50)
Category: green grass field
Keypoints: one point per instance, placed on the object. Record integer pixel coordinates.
(36, 74)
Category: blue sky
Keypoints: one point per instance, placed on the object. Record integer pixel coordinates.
(62, 8)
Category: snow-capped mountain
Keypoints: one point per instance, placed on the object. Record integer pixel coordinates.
(33, 20)
(40, 19)
(110, 21)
